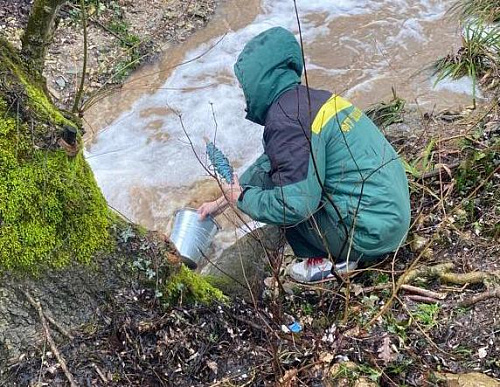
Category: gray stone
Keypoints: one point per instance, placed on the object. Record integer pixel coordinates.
(61, 82)
(246, 262)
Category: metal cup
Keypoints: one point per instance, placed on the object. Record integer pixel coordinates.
(192, 236)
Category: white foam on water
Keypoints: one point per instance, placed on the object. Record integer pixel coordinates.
(463, 85)
(366, 85)
(128, 156)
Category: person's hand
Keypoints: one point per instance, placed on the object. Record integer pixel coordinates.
(232, 191)
(209, 208)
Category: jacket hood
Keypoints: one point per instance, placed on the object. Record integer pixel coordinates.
(270, 64)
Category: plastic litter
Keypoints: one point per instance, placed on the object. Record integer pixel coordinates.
(295, 327)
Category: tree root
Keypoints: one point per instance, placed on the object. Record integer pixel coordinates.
(442, 272)
(49, 338)
(411, 270)
(424, 292)
(416, 291)
(424, 299)
(426, 272)
(476, 277)
(495, 292)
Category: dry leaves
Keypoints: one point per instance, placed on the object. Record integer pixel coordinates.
(213, 366)
(326, 357)
(385, 352)
(289, 379)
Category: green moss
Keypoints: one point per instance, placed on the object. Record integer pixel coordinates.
(51, 209)
(222, 282)
(33, 86)
(41, 104)
(186, 286)
(38, 100)
(50, 206)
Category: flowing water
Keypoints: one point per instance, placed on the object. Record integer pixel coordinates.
(144, 161)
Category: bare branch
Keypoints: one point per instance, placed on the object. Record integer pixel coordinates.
(49, 338)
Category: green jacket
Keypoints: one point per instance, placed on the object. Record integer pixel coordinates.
(324, 154)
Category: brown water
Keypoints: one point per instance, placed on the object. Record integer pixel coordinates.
(361, 49)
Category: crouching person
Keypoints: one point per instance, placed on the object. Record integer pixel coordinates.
(327, 176)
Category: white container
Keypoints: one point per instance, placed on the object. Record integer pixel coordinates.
(192, 236)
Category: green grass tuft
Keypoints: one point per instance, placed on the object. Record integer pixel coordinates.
(478, 56)
(426, 315)
(387, 113)
(484, 10)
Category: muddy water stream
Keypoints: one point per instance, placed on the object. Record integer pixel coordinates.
(361, 49)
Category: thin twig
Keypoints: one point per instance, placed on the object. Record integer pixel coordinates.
(100, 373)
(49, 338)
(437, 171)
(59, 327)
(375, 288)
(317, 286)
(423, 292)
(277, 334)
(495, 292)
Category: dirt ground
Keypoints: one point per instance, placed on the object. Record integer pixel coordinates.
(122, 34)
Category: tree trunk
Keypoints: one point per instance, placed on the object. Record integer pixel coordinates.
(70, 296)
(52, 213)
(39, 31)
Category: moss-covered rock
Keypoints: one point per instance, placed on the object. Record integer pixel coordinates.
(51, 209)
(186, 286)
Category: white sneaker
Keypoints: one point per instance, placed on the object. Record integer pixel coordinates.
(317, 269)
(344, 268)
(311, 270)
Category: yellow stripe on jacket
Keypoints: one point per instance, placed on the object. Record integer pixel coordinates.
(331, 108)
